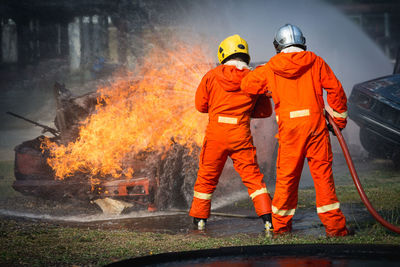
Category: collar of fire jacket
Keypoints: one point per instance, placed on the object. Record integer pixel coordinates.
(229, 76)
(292, 49)
(237, 63)
(292, 64)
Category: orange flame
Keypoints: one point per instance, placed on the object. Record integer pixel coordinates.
(140, 114)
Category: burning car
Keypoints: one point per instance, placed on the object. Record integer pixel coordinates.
(375, 106)
(135, 137)
(158, 180)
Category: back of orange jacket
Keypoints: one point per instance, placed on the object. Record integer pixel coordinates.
(229, 109)
(301, 78)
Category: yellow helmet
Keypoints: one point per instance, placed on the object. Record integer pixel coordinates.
(233, 45)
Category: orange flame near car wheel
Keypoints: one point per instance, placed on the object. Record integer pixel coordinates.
(141, 113)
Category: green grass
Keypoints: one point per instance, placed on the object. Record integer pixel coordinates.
(384, 197)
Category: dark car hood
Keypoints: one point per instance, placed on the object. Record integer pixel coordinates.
(387, 87)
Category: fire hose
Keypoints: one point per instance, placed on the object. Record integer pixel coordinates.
(356, 180)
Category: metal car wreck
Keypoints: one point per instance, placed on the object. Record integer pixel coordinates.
(375, 106)
(161, 179)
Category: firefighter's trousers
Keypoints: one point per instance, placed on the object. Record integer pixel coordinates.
(294, 147)
(211, 163)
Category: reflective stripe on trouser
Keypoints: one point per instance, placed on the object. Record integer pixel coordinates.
(293, 148)
(212, 160)
(200, 206)
(332, 217)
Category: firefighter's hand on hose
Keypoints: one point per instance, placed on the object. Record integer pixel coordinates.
(330, 128)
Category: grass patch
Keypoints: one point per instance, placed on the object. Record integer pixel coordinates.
(384, 197)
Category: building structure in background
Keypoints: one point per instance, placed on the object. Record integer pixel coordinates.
(88, 33)
(379, 19)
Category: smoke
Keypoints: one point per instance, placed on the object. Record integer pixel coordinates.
(352, 55)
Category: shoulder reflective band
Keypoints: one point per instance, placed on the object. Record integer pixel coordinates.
(202, 195)
(228, 120)
(339, 115)
(283, 212)
(259, 192)
(299, 113)
(329, 207)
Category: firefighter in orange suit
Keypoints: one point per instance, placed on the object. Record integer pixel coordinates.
(295, 79)
(228, 131)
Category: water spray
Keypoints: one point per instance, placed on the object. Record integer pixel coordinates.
(221, 214)
(356, 180)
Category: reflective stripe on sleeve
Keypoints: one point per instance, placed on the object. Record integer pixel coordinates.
(277, 118)
(228, 120)
(339, 115)
(259, 192)
(329, 207)
(299, 113)
(283, 212)
(204, 196)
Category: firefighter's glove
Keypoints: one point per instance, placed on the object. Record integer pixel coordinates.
(330, 128)
(268, 94)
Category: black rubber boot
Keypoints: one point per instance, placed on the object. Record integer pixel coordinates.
(200, 223)
(267, 219)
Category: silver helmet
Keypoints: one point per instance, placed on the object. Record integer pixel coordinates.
(289, 35)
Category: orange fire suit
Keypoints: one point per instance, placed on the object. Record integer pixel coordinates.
(228, 134)
(295, 81)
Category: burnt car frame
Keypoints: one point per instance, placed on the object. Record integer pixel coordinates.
(161, 179)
